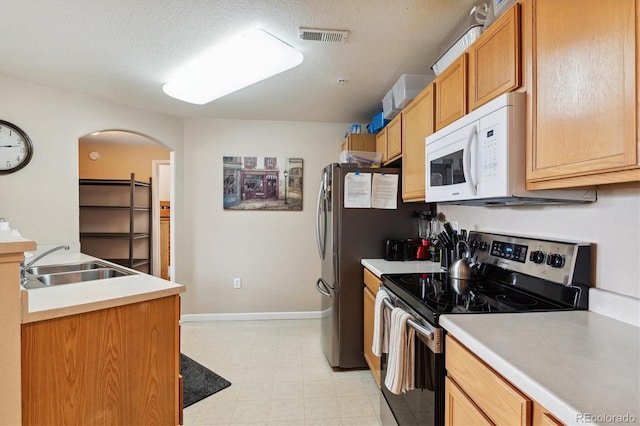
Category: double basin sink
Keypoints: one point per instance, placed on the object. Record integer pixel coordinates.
(50, 275)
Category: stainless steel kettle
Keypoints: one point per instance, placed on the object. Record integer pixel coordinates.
(461, 272)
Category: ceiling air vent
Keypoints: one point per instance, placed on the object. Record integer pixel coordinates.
(329, 36)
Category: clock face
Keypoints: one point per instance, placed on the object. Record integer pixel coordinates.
(15, 148)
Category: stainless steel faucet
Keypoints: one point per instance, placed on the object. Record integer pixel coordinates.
(46, 253)
(25, 265)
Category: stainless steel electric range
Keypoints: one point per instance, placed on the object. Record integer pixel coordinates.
(512, 274)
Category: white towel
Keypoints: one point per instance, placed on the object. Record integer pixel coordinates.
(381, 320)
(400, 369)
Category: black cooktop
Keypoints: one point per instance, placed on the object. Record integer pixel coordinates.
(432, 295)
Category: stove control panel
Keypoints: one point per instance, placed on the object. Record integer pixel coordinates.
(510, 251)
(557, 261)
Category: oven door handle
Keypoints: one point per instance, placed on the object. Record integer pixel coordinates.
(431, 336)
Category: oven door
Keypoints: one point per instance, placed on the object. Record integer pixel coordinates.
(451, 165)
(419, 406)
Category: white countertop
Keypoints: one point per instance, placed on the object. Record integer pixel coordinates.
(62, 300)
(381, 266)
(572, 363)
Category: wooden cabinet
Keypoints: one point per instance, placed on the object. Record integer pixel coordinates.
(582, 123)
(115, 221)
(417, 124)
(451, 92)
(495, 59)
(394, 137)
(543, 417)
(11, 256)
(112, 366)
(372, 285)
(359, 142)
(495, 398)
(381, 144)
(389, 140)
(460, 410)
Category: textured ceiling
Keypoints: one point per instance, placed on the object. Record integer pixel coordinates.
(125, 50)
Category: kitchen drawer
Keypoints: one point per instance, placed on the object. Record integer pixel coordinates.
(371, 281)
(496, 397)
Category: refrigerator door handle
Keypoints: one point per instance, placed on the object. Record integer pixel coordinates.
(321, 215)
(322, 287)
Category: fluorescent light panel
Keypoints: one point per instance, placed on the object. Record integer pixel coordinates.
(231, 66)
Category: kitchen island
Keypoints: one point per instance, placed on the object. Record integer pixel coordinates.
(63, 300)
(581, 366)
(103, 351)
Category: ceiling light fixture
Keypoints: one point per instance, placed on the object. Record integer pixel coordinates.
(232, 65)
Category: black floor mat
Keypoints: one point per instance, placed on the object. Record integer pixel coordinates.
(198, 381)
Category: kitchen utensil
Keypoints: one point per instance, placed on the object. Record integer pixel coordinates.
(460, 272)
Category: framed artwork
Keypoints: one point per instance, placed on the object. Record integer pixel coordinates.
(262, 183)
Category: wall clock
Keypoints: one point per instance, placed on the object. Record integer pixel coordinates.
(15, 148)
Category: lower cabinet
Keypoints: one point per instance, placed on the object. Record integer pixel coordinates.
(476, 394)
(460, 410)
(112, 366)
(372, 284)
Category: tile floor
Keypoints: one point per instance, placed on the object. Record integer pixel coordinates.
(279, 376)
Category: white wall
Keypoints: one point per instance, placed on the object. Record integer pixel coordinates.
(274, 252)
(612, 223)
(41, 200)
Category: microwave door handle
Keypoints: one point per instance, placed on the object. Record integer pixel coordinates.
(466, 158)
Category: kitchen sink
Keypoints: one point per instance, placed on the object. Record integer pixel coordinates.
(51, 275)
(71, 267)
(79, 276)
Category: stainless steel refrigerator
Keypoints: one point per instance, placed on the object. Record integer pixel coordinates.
(344, 237)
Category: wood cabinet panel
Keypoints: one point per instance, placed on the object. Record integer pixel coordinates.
(381, 144)
(459, 409)
(494, 59)
(543, 417)
(497, 398)
(371, 287)
(584, 101)
(417, 124)
(394, 138)
(371, 281)
(113, 366)
(369, 311)
(451, 92)
(359, 142)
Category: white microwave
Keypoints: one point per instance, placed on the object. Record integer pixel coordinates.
(480, 159)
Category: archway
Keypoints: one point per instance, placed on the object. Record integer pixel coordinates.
(114, 228)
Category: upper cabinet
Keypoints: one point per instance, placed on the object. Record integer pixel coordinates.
(451, 92)
(494, 60)
(359, 142)
(389, 140)
(582, 75)
(394, 138)
(417, 124)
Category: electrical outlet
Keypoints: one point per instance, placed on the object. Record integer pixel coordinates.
(454, 225)
(237, 283)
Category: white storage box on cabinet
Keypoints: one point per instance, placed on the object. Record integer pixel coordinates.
(407, 87)
(389, 109)
(462, 37)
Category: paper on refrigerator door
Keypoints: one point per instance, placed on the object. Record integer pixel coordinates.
(384, 191)
(357, 190)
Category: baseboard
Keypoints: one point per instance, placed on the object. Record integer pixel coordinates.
(249, 316)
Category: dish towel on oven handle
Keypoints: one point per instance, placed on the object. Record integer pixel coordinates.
(400, 363)
(381, 323)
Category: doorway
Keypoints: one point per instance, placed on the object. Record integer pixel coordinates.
(114, 155)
